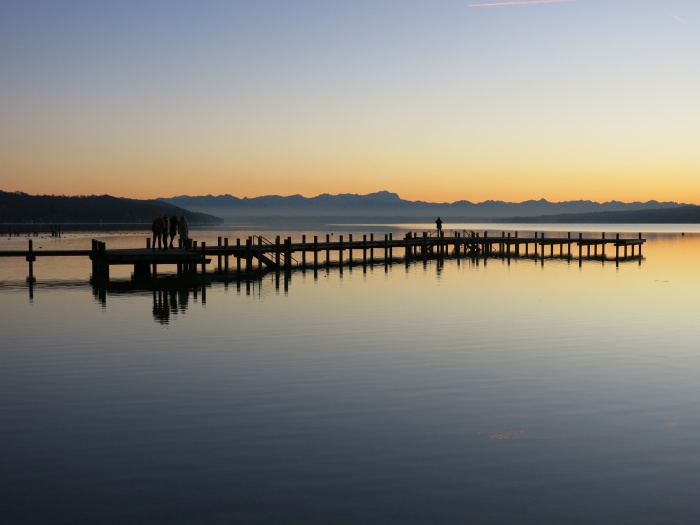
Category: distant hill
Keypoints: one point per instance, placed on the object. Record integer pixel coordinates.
(20, 207)
(389, 205)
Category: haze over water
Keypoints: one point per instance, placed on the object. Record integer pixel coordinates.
(456, 392)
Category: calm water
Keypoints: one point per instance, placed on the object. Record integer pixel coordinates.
(489, 393)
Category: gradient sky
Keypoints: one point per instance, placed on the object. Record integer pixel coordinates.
(436, 100)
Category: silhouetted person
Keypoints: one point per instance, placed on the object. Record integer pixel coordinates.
(438, 223)
(173, 229)
(184, 230)
(158, 229)
(165, 232)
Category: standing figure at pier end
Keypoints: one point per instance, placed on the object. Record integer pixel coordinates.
(158, 229)
(438, 224)
(184, 230)
(173, 229)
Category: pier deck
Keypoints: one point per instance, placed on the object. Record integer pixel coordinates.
(257, 254)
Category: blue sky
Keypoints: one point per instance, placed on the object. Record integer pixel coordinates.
(436, 100)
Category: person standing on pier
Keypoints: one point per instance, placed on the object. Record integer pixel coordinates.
(184, 230)
(158, 229)
(165, 232)
(438, 223)
(173, 229)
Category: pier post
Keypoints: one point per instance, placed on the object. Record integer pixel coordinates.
(407, 248)
(371, 249)
(542, 246)
(315, 252)
(328, 250)
(350, 249)
(218, 257)
(303, 252)
(226, 256)
(248, 255)
(259, 252)
(277, 251)
(204, 261)
(238, 257)
(536, 246)
(580, 247)
(287, 256)
(364, 250)
(340, 253)
(391, 249)
(30, 259)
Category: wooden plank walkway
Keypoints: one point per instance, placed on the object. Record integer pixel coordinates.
(257, 254)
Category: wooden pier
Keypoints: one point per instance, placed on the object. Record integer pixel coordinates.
(257, 254)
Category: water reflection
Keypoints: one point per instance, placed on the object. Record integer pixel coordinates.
(169, 302)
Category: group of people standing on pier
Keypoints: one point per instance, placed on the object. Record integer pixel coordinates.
(163, 227)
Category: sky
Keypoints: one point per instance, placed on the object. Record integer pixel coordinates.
(436, 100)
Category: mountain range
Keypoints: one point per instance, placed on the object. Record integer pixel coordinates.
(385, 205)
(380, 207)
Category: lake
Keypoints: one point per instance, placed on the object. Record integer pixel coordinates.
(463, 391)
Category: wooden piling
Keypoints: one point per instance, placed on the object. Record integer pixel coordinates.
(315, 252)
(30, 259)
(303, 252)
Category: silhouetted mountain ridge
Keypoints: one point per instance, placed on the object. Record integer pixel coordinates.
(387, 204)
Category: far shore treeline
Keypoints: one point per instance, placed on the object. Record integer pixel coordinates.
(17, 207)
(380, 207)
